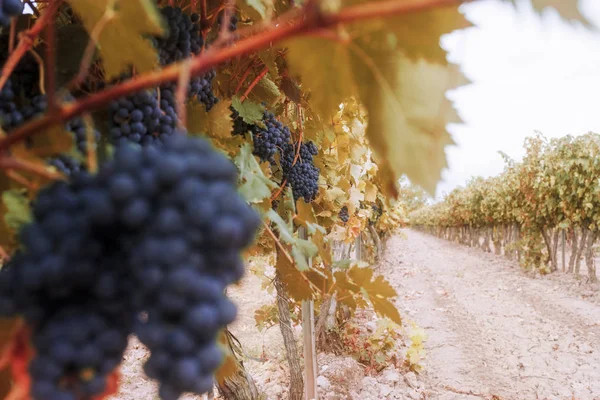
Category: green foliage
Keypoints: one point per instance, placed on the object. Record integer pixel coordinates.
(556, 185)
(369, 94)
(17, 205)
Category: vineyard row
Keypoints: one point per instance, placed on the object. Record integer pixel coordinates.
(551, 196)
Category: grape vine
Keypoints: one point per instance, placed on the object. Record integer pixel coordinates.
(100, 248)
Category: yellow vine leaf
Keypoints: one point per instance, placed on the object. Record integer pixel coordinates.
(568, 9)
(230, 366)
(360, 282)
(297, 285)
(408, 111)
(325, 70)
(418, 34)
(216, 123)
(122, 42)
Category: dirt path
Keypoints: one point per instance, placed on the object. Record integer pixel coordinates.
(492, 329)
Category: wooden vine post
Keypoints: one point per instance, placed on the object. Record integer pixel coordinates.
(308, 337)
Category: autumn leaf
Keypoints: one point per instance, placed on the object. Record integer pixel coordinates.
(123, 41)
(324, 70)
(216, 123)
(568, 9)
(407, 108)
(418, 34)
(230, 365)
(296, 284)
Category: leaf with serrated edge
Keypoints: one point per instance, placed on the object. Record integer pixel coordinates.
(323, 67)
(255, 186)
(220, 123)
(297, 286)
(265, 91)
(418, 34)
(405, 101)
(132, 21)
(250, 112)
(568, 9)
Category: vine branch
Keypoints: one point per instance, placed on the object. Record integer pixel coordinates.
(254, 83)
(26, 42)
(295, 23)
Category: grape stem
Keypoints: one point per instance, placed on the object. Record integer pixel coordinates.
(292, 24)
(244, 76)
(50, 61)
(254, 83)
(26, 42)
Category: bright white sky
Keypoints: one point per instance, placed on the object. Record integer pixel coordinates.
(528, 73)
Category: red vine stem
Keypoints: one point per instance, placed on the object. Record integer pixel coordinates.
(278, 192)
(300, 22)
(50, 66)
(3, 254)
(26, 166)
(254, 83)
(243, 78)
(26, 42)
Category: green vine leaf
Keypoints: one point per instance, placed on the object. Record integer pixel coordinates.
(302, 250)
(250, 112)
(255, 186)
(18, 210)
(122, 42)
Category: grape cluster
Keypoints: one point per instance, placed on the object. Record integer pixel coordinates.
(343, 214)
(240, 127)
(303, 176)
(233, 20)
(150, 116)
(184, 40)
(157, 232)
(9, 9)
(10, 116)
(268, 139)
(18, 90)
(67, 165)
(139, 118)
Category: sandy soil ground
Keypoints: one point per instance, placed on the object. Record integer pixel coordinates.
(494, 332)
